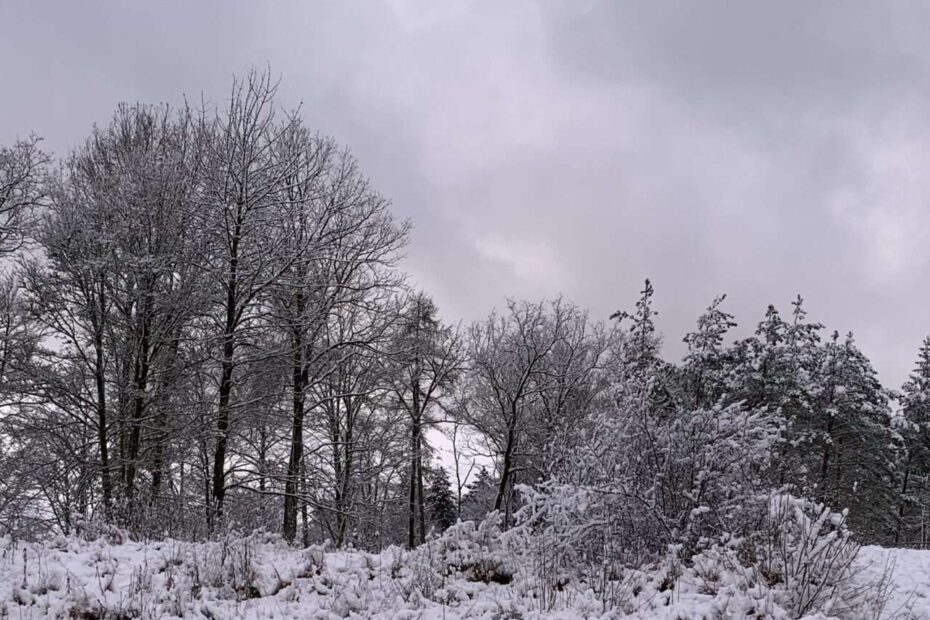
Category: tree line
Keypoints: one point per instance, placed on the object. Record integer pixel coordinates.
(204, 325)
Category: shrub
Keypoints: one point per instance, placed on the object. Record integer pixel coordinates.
(806, 550)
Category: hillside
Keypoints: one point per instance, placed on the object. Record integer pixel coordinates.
(261, 577)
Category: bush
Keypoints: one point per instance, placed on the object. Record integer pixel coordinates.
(476, 552)
(806, 550)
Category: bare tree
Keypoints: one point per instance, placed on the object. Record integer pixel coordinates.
(115, 286)
(241, 217)
(428, 361)
(506, 380)
(69, 294)
(339, 254)
(153, 158)
(574, 386)
(22, 188)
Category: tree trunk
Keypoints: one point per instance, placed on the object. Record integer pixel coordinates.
(292, 477)
(415, 502)
(825, 460)
(161, 433)
(226, 382)
(412, 500)
(420, 498)
(506, 468)
(222, 427)
(100, 380)
(907, 472)
(348, 461)
(140, 387)
(305, 518)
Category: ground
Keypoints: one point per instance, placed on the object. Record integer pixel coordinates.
(261, 577)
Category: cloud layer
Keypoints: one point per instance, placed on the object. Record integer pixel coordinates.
(575, 147)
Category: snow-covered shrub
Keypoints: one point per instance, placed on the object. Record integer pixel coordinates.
(806, 550)
(799, 562)
(717, 477)
(466, 557)
(315, 562)
(477, 552)
(95, 529)
(643, 480)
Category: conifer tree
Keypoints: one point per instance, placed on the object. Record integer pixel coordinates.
(708, 364)
(440, 501)
(479, 496)
(852, 438)
(914, 465)
(773, 370)
(641, 348)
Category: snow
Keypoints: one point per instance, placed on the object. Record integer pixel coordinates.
(909, 574)
(261, 577)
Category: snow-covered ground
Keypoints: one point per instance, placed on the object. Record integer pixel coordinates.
(260, 577)
(908, 591)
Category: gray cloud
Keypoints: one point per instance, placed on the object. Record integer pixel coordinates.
(578, 147)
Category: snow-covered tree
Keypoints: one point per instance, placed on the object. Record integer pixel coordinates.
(651, 473)
(428, 361)
(852, 441)
(914, 465)
(525, 368)
(479, 496)
(440, 500)
(706, 373)
(22, 188)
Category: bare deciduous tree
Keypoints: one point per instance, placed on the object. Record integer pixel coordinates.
(428, 362)
(241, 216)
(22, 188)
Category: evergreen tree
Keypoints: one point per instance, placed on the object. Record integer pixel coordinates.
(642, 373)
(641, 348)
(774, 370)
(851, 440)
(478, 500)
(440, 500)
(914, 465)
(707, 365)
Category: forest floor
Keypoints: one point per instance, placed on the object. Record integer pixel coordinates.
(260, 577)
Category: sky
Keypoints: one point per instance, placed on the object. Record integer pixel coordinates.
(762, 150)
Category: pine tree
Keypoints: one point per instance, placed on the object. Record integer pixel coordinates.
(707, 365)
(641, 349)
(773, 370)
(440, 500)
(642, 374)
(478, 500)
(914, 466)
(855, 443)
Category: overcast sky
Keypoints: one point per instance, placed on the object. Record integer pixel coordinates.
(759, 150)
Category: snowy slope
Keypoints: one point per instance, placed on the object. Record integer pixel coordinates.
(263, 578)
(909, 571)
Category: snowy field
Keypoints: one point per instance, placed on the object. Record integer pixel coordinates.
(257, 577)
